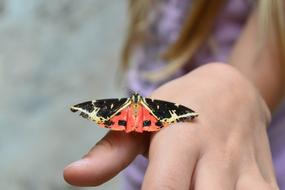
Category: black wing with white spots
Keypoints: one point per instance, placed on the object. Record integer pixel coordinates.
(101, 110)
(168, 112)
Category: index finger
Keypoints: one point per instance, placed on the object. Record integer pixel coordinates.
(106, 159)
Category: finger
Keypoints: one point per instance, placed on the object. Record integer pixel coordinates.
(252, 177)
(106, 159)
(172, 158)
(264, 159)
(254, 181)
(215, 172)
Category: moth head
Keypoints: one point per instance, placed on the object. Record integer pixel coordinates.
(136, 98)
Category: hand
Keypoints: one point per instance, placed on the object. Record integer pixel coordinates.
(226, 147)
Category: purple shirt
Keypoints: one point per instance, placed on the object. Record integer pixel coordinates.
(167, 17)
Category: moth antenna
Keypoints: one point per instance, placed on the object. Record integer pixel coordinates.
(132, 92)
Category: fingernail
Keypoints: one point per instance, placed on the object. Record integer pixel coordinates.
(80, 163)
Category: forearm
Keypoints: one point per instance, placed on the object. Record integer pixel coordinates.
(263, 67)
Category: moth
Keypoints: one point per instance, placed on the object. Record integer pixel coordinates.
(135, 113)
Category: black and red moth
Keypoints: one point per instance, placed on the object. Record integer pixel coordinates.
(136, 113)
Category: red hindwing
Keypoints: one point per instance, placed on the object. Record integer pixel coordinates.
(127, 120)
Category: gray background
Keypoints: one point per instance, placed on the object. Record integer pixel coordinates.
(53, 54)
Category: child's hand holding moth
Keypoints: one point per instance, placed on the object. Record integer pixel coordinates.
(226, 147)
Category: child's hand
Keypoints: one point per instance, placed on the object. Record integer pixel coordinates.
(226, 147)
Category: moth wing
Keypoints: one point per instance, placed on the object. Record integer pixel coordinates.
(168, 112)
(102, 110)
(150, 122)
(117, 122)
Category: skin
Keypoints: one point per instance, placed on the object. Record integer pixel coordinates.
(226, 147)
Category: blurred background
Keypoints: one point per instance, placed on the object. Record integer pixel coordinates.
(54, 54)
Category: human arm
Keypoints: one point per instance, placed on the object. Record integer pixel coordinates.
(259, 60)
